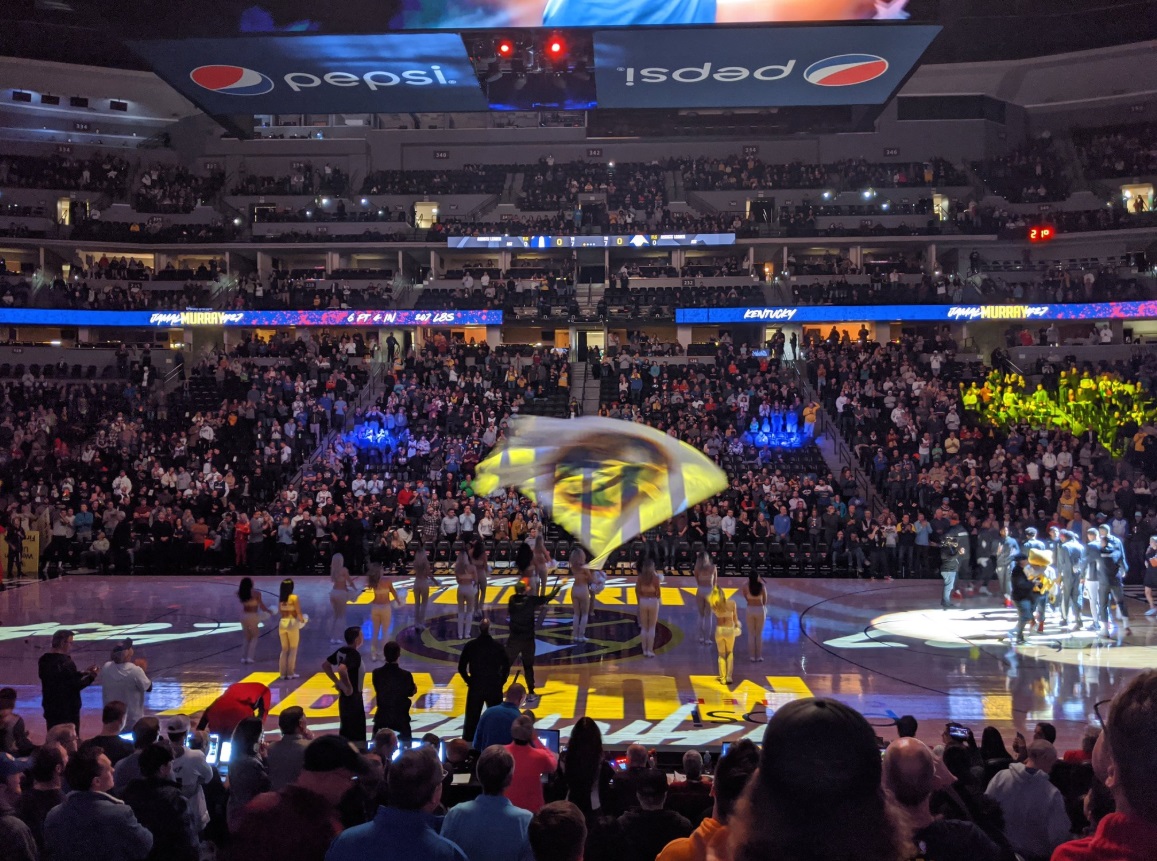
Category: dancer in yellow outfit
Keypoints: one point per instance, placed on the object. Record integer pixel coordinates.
(289, 629)
(727, 628)
(381, 610)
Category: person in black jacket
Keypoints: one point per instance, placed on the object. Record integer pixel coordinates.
(1023, 595)
(484, 667)
(523, 609)
(160, 806)
(393, 688)
(61, 682)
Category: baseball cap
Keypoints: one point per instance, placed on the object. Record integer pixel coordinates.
(123, 646)
(10, 766)
(177, 724)
(331, 752)
(819, 750)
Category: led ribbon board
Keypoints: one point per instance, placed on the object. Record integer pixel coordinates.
(919, 313)
(244, 319)
(636, 240)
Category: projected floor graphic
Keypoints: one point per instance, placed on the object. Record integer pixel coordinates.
(877, 646)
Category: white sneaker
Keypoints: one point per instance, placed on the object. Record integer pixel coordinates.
(1151, 612)
(984, 591)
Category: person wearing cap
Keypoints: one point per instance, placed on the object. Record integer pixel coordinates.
(490, 828)
(146, 731)
(190, 770)
(91, 823)
(532, 762)
(404, 831)
(1124, 760)
(159, 805)
(16, 840)
(647, 828)
(61, 682)
(1070, 564)
(123, 679)
(818, 786)
(301, 820)
(1150, 579)
(910, 777)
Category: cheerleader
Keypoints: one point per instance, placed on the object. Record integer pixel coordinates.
(423, 580)
(340, 586)
(647, 593)
(706, 578)
(727, 628)
(252, 605)
(755, 594)
(289, 629)
(480, 559)
(580, 593)
(381, 610)
(464, 574)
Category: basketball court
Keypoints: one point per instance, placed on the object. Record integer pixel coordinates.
(874, 645)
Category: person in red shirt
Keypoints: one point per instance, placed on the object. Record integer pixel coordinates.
(241, 700)
(1125, 760)
(1085, 752)
(532, 762)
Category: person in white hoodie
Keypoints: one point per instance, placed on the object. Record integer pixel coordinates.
(1035, 820)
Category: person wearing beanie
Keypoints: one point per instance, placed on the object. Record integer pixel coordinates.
(523, 609)
(818, 787)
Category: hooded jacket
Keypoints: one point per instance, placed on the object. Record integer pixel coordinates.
(1035, 820)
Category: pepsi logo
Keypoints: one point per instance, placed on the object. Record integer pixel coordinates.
(845, 70)
(234, 80)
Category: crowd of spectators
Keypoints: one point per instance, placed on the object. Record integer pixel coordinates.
(1031, 173)
(629, 186)
(752, 173)
(157, 471)
(1125, 151)
(1059, 285)
(823, 778)
(107, 174)
(167, 188)
(469, 179)
(303, 178)
(155, 231)
(930, 459)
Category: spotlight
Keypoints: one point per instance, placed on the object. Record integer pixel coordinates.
(325, 201)
(827, 195)
(555, 47)
(365, 201)
(505, 48)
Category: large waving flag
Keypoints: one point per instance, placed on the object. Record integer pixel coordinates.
(603, 480)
